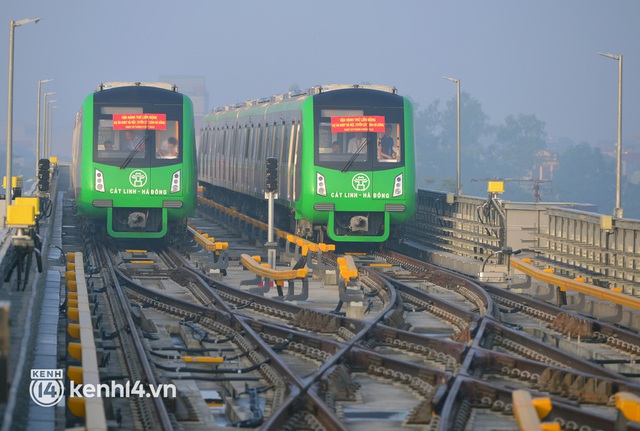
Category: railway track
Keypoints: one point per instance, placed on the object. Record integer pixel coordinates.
(435, 351)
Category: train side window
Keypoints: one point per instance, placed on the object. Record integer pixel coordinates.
(233, 144)
(210, 157)
(277, 151)
(202, 149)
(223, 142)
(217, 152)
(286, 140)
(269, 138)
(297, 144)
(246, 141)
(259, 143)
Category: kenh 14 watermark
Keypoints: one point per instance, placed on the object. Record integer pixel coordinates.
(47, 388)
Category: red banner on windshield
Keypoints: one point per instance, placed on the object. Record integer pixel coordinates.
(357, 124)
(139, 121)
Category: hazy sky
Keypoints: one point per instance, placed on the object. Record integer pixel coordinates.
(530, 57)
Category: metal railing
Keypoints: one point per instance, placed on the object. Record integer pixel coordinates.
(572, 238)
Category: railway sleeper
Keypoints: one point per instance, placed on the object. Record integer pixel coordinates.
(338, 385)
(583, 389)
(421, 386)
(303, 421)
(313, 320)
(574, 325)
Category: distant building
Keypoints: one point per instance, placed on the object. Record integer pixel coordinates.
(548, 162)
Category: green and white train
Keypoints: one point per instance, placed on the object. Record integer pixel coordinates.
(346, 161)
(134, 161)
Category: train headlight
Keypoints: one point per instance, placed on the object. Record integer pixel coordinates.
(321, 187)
(175, 182)
(397, 186)
(99, 181)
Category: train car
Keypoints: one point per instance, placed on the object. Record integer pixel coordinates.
(346, 161)
(134, 159)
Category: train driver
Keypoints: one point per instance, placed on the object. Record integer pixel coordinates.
(356, 142)
(385, 145)
(168, 149)
(131, 140)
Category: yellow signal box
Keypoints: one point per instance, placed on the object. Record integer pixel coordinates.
(495, 187)
(16, 182)
(28, 200)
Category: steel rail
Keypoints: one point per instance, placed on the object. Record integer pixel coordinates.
(126, 325)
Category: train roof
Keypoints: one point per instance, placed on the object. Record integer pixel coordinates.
(115, 84)
(302, 94)
(330, 87)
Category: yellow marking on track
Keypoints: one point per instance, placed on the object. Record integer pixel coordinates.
(205, 359)
(142, 262)
(136, 251)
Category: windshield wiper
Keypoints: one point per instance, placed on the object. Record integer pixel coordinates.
(353, 158)
(134, 151)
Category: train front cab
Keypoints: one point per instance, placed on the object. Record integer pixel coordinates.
(364, 164)
(140, 178)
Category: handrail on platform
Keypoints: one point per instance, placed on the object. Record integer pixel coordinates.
(253, 265)
(209, 243)
(564, 284)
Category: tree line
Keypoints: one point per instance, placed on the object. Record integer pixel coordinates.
(514, 149)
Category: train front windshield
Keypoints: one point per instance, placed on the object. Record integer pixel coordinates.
(365, 150)
(359, 131)
(132, 136)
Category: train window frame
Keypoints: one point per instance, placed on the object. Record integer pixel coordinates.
(279, 141)
(218, 153)
(146, 156)
(324, 157)
(397, 147)
(159, 157)
(297, 157)
(245, 142)
(212, 150)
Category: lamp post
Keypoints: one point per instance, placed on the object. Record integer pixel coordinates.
(12, 27)
(50, 141)
(47, 127)
(617, 211)
(46, 122)
(38, 122)
(458, 184)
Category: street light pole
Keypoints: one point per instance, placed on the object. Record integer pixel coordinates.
(47, 126)
(38, 122)
(50, 142)
(46, 123)
(618, 212)
(9, 183)
(458, 183)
